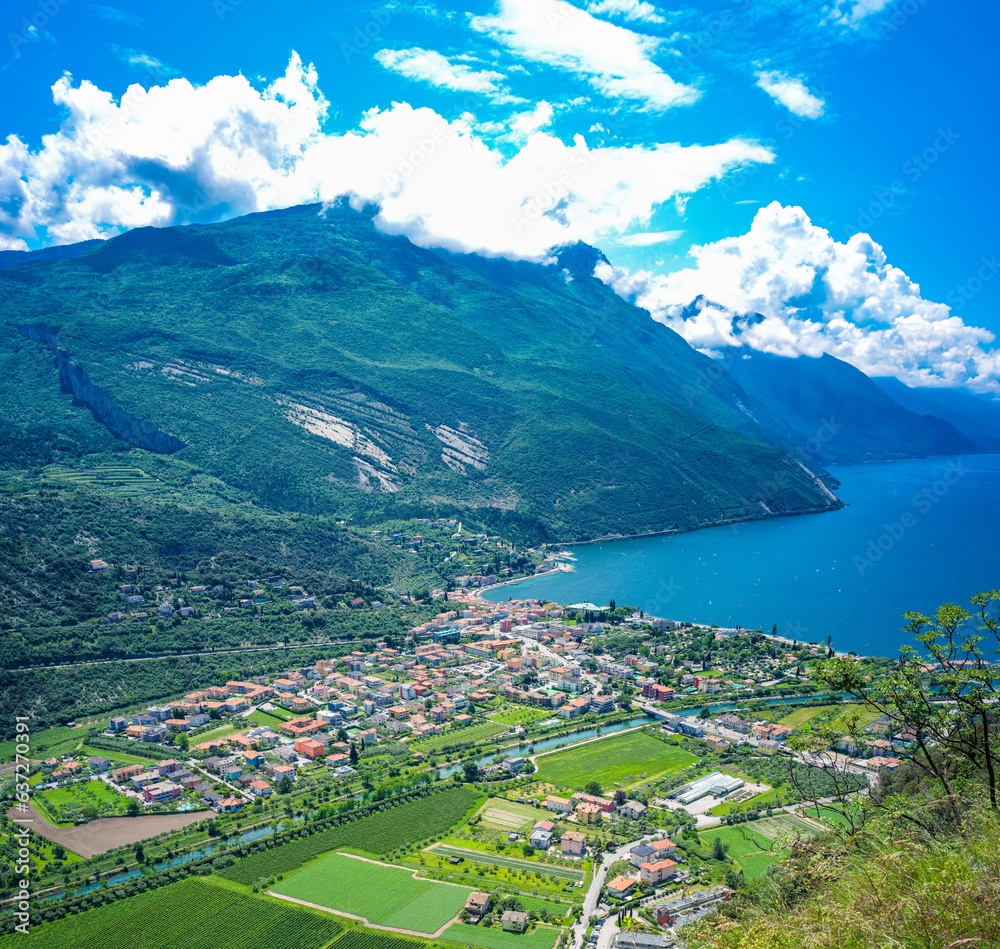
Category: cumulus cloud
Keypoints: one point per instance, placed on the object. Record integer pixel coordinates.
(792, 93)
(181, 153)
(628, 9)
(429, 66)
(615, 61)
(787, 287)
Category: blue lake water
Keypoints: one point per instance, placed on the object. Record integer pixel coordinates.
(915, 534)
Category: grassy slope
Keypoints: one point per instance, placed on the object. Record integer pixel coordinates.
(209, 332)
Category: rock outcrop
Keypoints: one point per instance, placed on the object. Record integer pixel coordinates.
(129, 428)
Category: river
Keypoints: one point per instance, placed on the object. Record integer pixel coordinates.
(914, 534)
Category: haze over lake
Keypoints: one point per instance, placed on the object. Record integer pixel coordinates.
(914, 534)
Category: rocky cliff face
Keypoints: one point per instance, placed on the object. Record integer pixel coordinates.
(73, 379)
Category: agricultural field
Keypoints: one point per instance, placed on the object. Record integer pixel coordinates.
(370, 939)
(470, 734)
(620, 759)
(513, 863)
(84, 799)
(382, 894)
(518, 715)
(120, 480)
(800, 716)
(466, 935)
(192, 913)
(509, 815)
(376, 834)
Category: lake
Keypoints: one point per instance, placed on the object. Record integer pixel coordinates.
(914, 534)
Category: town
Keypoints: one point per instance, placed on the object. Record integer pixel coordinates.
(610, 755)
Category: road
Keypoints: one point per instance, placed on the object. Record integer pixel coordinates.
(579, 930)
(561, 660)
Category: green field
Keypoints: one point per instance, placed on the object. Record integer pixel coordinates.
(360, 938)
(192, 914)
(517, 715)
(750, 850)
(509, 815)
(469, 734)
(376, 834)
(64, 804)
(625, 759)
(384, 895)
(466, 935)
(512, 863)
(799, 716)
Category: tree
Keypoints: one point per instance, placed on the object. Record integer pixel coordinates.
(285, 785)
(471, 771)
(945, 707)
(342, 734)
(527, 850)
(353, 754)
(133, 807)
(593, 787)
(181, 741)
(718, 849)
(619, 797)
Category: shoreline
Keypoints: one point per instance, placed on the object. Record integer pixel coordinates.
(534, 576)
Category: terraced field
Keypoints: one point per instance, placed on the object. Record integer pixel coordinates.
(120, 480)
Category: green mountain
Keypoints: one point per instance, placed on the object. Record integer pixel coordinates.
(321, 366)
(835, 414)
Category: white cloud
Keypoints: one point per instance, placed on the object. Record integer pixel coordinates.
(616, 61)
(787, 287)
(426, 65)
(648, 238)
(852, 13)
(179, 153)
(791, 93)
(629, 9)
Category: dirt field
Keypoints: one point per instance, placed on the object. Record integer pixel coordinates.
(108, 832)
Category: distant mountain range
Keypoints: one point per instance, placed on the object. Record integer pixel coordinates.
(324, 366)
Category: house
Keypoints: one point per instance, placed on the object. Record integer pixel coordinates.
(98, 765)
(309, 747)
(540, 839)
(573, 843)
(121, 775)
(633, 810)
(162, 791)
(514, 922)
(664, 846)
(260, 789)
(559, 805)
(675, 910)
(769, 747)
(621, 886)
(587, 813)
(478, 905)
(641, 854)
(229, 804)
(658, 871)
(117, 724)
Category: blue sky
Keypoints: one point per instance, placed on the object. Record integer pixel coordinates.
(761, 134)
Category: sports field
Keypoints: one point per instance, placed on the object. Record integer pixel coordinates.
(382, 894)
(623, 759)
